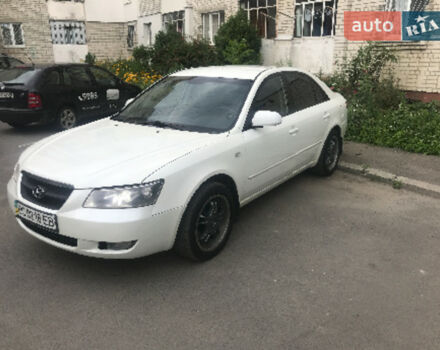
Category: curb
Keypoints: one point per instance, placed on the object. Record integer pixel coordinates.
(398, 181)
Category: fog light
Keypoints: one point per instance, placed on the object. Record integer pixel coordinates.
(116, 246)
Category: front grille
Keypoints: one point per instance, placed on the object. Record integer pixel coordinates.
(72, 242)
(55, 193)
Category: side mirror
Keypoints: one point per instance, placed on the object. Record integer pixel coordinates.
(130, 100)
(266, 118)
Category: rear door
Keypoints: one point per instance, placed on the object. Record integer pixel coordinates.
(309, 111)
(82, 91)
(110, 94)
(51, 91)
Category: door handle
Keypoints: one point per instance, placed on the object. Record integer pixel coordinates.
(326, 115)
(293, 131)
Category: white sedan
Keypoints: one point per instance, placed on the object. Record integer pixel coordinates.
(172, 169)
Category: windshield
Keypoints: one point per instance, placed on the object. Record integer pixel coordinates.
(200, 104)
(9, 62)
(18, 76)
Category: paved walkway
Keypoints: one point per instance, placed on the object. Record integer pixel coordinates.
(413, 171)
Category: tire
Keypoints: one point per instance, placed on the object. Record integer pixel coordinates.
(207, 223)
(330, 154)
(66, 118)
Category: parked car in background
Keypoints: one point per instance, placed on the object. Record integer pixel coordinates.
(61, 93)
(174, 166)
(7, 62)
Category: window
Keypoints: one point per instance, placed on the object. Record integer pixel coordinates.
(302, 92)
(52, 78)
(176, 19)
(270, 97)
(203, 104)
(12, 34)
(262, 14)
(103, 77)
(130, 35)
(77, 77)
(211, 22)
(148, 36)
(68, 32)
(315, 18)
(405, 5)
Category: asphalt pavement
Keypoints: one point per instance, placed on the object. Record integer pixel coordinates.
(318, 263)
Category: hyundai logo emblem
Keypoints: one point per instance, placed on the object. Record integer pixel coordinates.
(38, 192)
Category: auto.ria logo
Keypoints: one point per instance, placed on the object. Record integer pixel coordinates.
(391, 26)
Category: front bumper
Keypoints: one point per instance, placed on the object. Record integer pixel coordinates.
(21, 116)
(91, 227)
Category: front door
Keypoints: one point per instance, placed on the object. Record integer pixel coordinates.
(110, 95)
(265, 152)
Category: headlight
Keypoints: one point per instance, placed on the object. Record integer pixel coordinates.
(16, 173)
(125, 197)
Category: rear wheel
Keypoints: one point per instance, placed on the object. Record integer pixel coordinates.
(206, 223)
(329, 158)
(66, 118)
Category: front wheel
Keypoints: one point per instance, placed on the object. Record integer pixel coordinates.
(206, 223)
(66, 118)
(329, 158)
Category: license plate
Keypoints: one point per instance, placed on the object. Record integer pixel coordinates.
(45, 220)
(6, 95)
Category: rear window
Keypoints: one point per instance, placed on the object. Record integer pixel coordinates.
(19, 76)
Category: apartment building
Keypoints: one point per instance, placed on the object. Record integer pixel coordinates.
(66, 30)
(308, 34)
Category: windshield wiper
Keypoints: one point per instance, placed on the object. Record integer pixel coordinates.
(159, 124)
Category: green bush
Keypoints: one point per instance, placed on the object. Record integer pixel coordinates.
(378, 111)
(237, 41)
(172, 52)
(90, 58)
(413, 127)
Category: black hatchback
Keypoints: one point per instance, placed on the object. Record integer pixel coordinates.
(61, 93)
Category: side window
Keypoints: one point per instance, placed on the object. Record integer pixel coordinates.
(302, 92)
(103, 78)
(52, 78)
(270, 97)
(78, 78)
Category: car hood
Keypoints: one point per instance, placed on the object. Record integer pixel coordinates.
(109, 153)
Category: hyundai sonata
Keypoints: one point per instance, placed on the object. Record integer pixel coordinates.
(172, 169)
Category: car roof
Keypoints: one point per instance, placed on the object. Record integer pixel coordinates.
(50, 65)
(236, 71)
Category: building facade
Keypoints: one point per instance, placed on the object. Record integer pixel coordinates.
(59, 31)
(308, 34)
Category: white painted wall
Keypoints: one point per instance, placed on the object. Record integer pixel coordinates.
(172, 5)
(156, 26)
(131, 10)
(66, 10)
(70, 53)
(110, 11)
(311, 54)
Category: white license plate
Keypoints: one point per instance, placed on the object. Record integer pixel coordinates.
(6, 95)
(47, 221)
